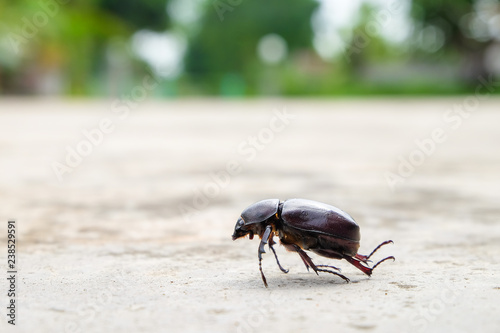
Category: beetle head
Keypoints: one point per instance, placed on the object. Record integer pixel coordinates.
(240, 230)
(253, 218)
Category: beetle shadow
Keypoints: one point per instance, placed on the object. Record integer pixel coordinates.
(295, 281)
(312, 281)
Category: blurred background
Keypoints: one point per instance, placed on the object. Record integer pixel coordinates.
(247, 48)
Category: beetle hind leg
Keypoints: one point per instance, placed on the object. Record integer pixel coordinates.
(381, 261)
(365, 269)
(365, 259)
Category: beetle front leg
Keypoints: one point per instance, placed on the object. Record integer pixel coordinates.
(261, 272)
(263, 242)
(271, 243)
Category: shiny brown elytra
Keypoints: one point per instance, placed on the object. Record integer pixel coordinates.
(302, 224)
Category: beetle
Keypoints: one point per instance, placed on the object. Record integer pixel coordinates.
(302, 224)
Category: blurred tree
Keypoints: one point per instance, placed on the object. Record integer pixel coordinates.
(224, 50)
(364, 47)
(461, 29)
(67, 40)
(145, 14)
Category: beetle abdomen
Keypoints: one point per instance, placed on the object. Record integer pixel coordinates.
(320, 218)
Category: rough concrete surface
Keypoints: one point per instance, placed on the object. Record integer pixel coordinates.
(135, 236)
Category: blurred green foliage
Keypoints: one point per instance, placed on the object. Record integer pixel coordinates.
(456, 21)
(144, 14)
(223, 53)
(69, 36)
(86, 47)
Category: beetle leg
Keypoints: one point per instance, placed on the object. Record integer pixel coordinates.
(346, 279)
(367, 270)
(364, 258)
(381, 261)
(262, 273)
(305, 258)
(357, 263)
(309, 263)
(271, 243)
(263, 242)
(338, 269)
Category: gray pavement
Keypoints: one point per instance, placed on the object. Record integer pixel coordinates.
(124, 213)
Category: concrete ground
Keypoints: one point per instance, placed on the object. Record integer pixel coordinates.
(125, 211)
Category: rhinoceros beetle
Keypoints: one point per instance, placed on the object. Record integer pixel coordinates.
(302, 224)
